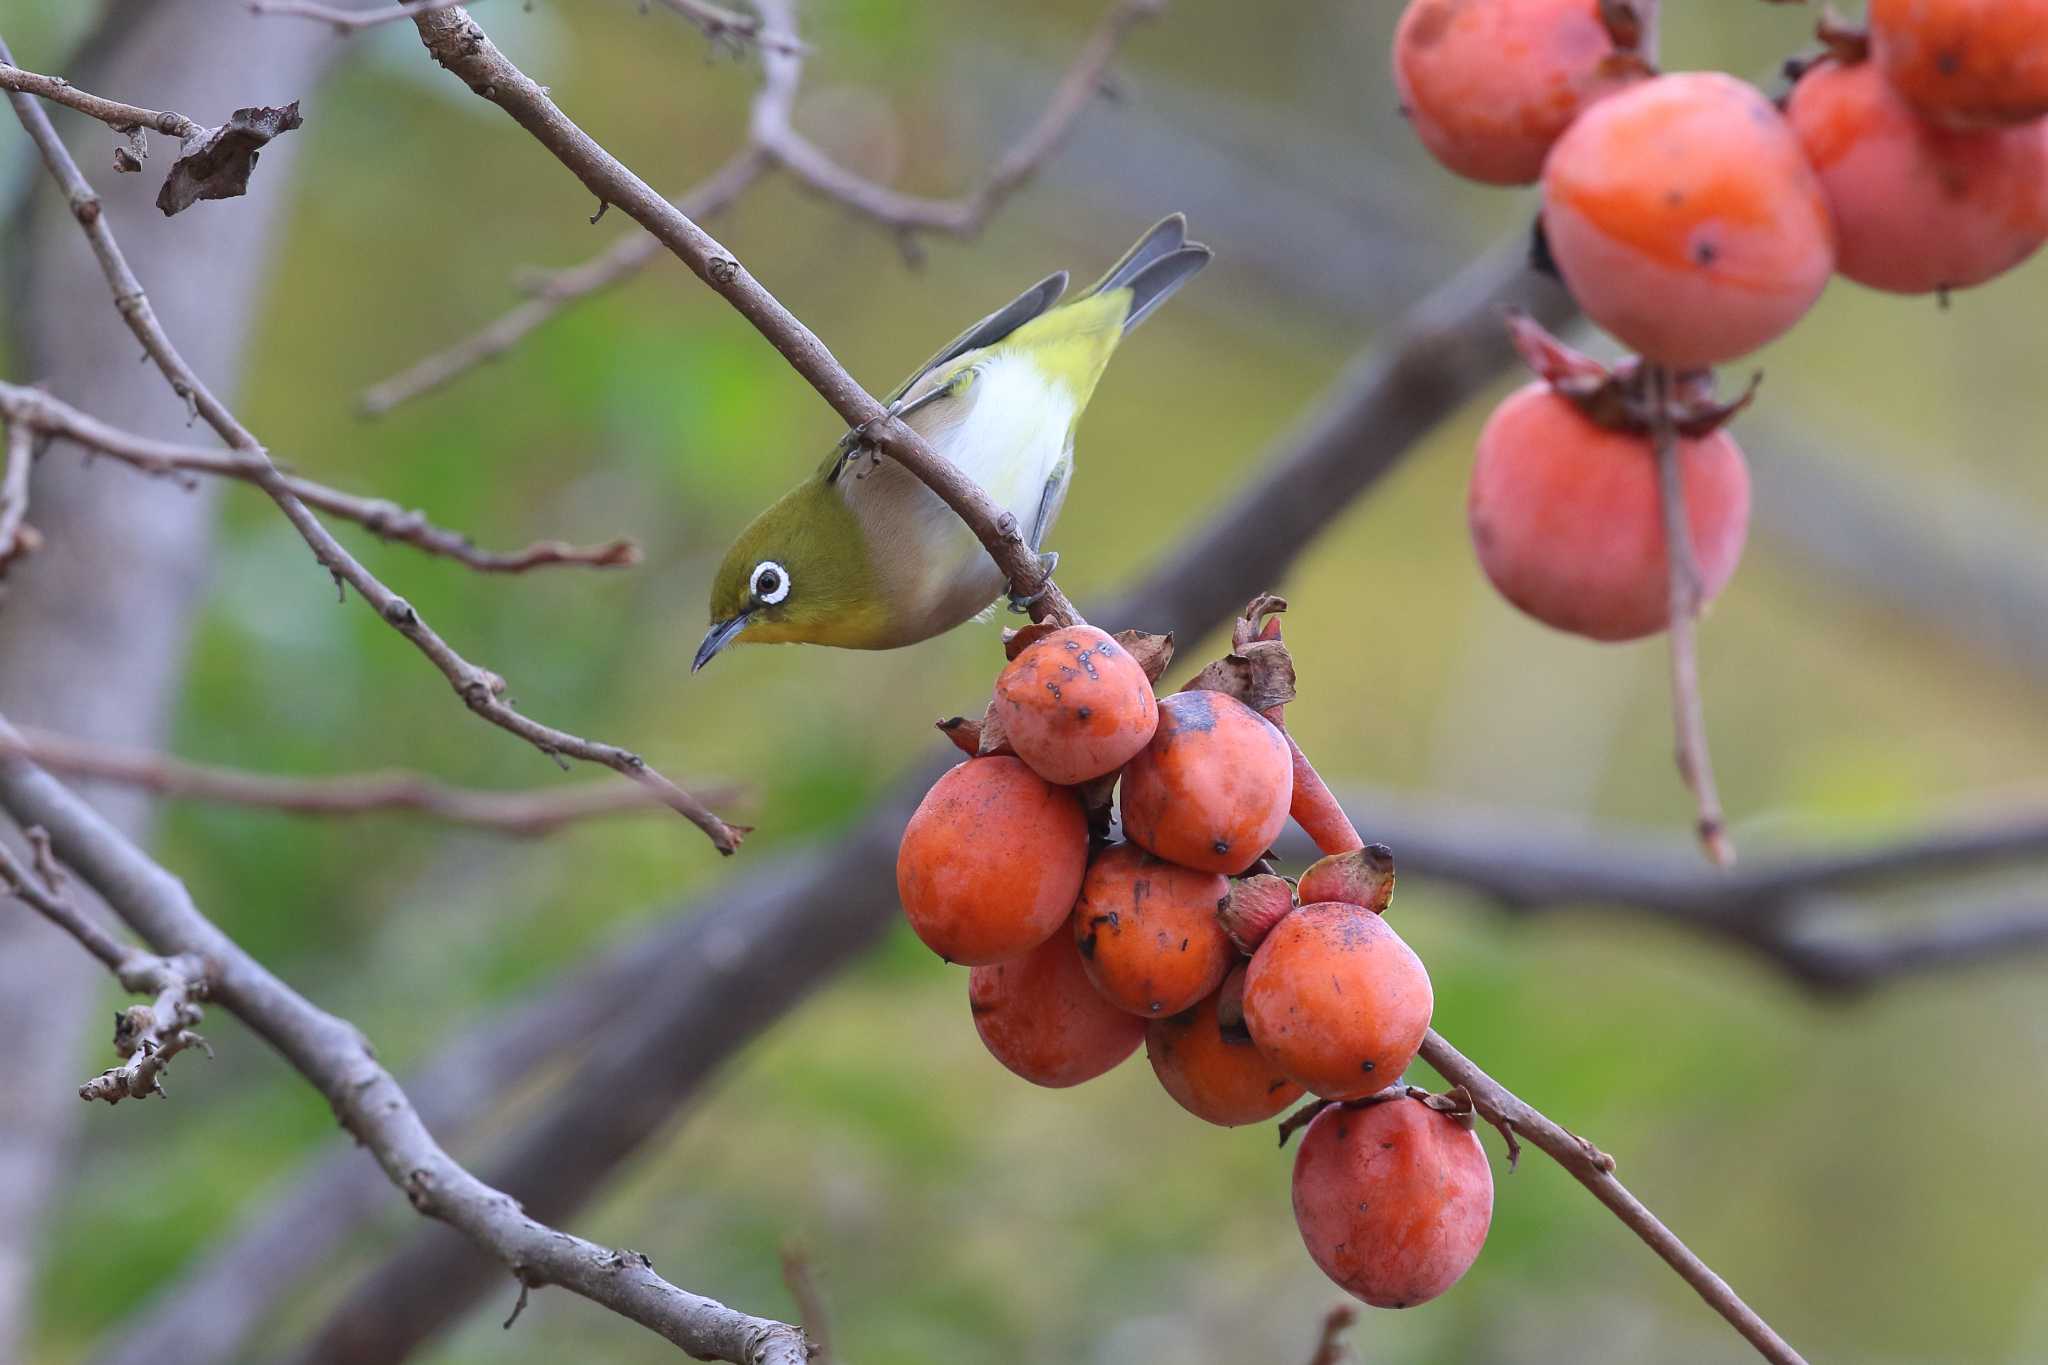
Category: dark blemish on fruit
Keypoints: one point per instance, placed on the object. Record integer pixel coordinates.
(1948, 61)
(1277, 1085)
(1223, 902)
(980, 1007)
(1367, 1067)
(1386, 1146)
(1674, 198)
(1706, 253)
(1189, 711)
(1053, 688)
(1183, 945)
(1083, 713)
(1221, 846)
(1086, 658)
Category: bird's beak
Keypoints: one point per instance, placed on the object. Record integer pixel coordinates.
(718, 637)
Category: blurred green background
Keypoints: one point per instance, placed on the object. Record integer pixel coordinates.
(1870, 1175)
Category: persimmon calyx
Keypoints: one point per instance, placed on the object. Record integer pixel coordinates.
(1620, 397)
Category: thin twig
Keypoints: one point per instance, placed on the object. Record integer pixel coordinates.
(147, 1036)
(120, 117)
(335, 1059)
(1695, 762)
(1330, 1347)
(1595, 1170)
(556, 291)
(347, 21)
(17, 537)
(480, 689)
(774, 141)
(460, 45)
(725, 26)
(524, 814)
(810, 1301)
(381, 517)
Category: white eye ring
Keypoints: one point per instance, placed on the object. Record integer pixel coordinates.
(770, 583)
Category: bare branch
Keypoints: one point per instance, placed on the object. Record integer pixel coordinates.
(774, 141)
(334, 1057)
(347, 21)
(517, 813)
(480, 689)
(1695, 761)
(1595, 1170)
(122, 118)
(810, 1303)
(17, 537)
(38, 411)
(736, 30)
(148, 1036)
(774, 133)
(554, 292)
(459, 45)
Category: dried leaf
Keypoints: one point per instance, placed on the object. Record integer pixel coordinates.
(965, 734)
(1016, 641)
(217, 163)
(1153, 652)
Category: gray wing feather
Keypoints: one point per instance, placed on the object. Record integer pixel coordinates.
(992, 328)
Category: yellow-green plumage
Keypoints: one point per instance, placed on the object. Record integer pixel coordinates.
(864, 556)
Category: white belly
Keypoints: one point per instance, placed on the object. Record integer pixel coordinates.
(1013, 435)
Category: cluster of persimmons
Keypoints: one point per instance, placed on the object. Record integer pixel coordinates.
(1696, 219)
(1246, 988)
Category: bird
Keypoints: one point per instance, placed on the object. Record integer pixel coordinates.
(861, 555)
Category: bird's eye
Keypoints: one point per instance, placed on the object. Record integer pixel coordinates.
(770, 583)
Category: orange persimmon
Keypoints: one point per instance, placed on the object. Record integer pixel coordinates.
(1205, 1059)
(1966, 63)
(1211, 790)
(1685, 220)
(1039, 1016)
(1148, 932)
(991, 862)
(1393, 1199)
(1336, 1000)
(1075, 705)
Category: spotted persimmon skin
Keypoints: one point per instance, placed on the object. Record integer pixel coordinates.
(991, 862)
(1075, 705)
(1211, 790)
(1393, 1200)
(1039, 1016)
(1214, 1072)
(1568, 523)
(1965, 63)
(1148, 932)
(1489, 85)
(1685, 220)
(1337, 1001)
(1918, 207)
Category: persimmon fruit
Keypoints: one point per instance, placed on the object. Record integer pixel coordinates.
(1489, 85)
(1918, 207)
(1393, 1199)
(1211, 790)
(1039, 1016)
(1685, 219)
(1336, 1000)
(1075, 705)
(991, 862)
(1205, 1059)
(1148, 932)
(1568, 524)
(1966, 63)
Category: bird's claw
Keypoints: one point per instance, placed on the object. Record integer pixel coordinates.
(1022, 604)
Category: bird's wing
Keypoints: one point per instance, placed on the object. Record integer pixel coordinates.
(992, 328)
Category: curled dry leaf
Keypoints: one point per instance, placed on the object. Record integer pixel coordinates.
(1255, 904)
(217, 163)
(965, 734)
(1153, 652)
(1619, 398)
(1016, 641)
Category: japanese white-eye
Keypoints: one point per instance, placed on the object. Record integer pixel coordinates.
(861, 554)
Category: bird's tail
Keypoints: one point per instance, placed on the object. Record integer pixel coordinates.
(1160, 262)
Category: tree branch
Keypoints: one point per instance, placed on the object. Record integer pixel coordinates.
(517, 813)
(481, 690)
(556, 291)
(725, 26)
(122, 118)
(774, 141)
(38, 411)
(1695, 761)
(1595, 1170)
(333, 1055)
(348, 21)
(17, 537)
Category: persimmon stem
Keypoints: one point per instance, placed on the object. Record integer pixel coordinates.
(1695, 761)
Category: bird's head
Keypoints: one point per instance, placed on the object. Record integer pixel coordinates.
(799, 573)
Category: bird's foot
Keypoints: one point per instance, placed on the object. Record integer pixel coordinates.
(1020, 603)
